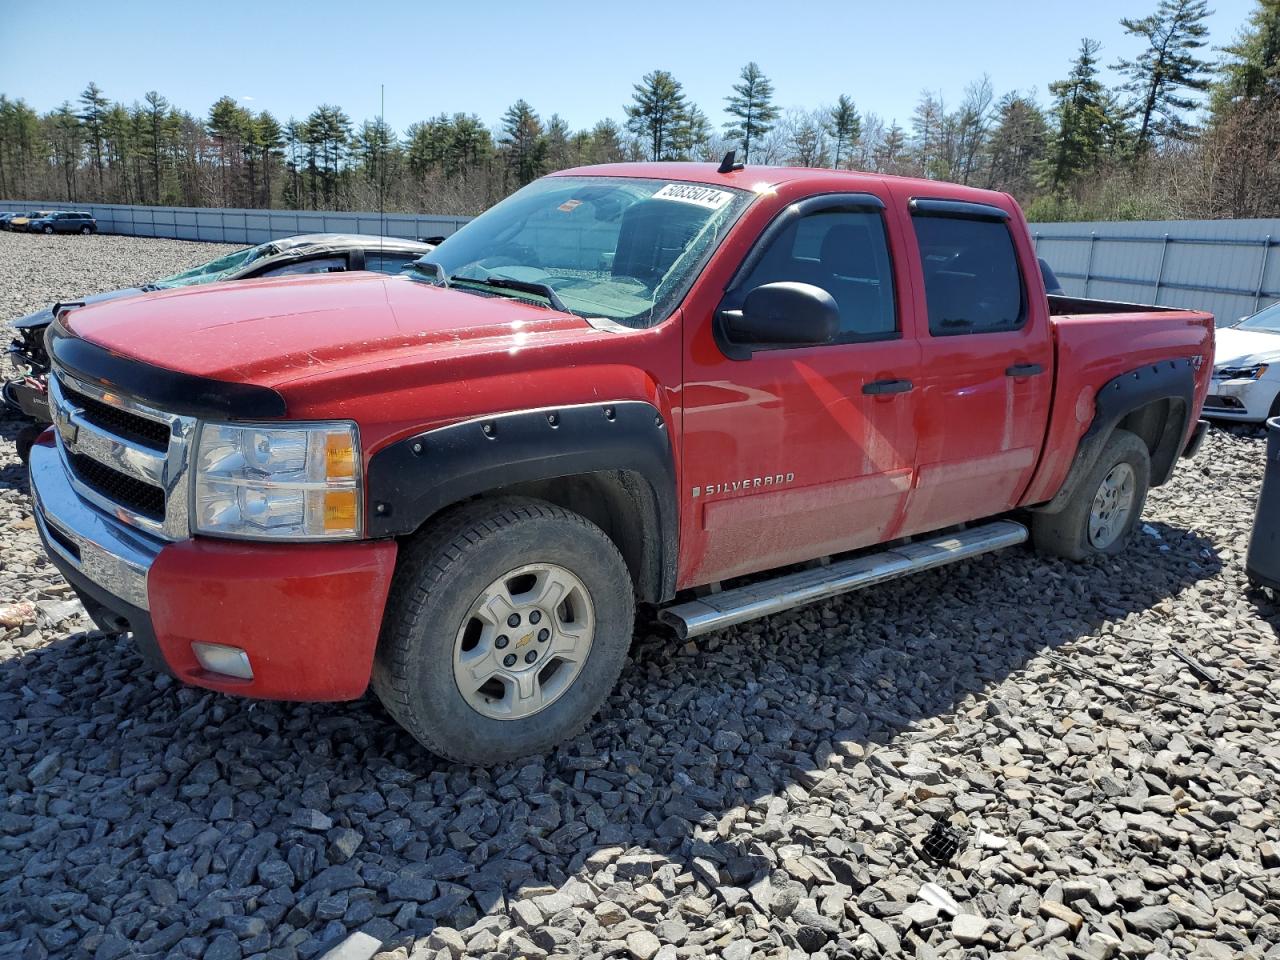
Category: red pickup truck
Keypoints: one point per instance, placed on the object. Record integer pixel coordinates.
(718, 391)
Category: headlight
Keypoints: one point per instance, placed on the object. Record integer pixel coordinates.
(1240, 373)
(272, 481)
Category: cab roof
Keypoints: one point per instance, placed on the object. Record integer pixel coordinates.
(751, 177)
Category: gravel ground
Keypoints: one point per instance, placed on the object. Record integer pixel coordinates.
(761, 793)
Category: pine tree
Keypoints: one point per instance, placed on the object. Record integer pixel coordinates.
(65, 136)
(655, 113)
(751, 106)
(891, 149)
(524, 141)
(1082, 118)
(843, 126)
(559, 154)
(691, 135)
(119, 144)
(95, 106)
(606, 143)
(469, 145)
(1252, 65)
(227, 126)
(157, 110)
(271, 140)
(1017, 146)
(1167, 66)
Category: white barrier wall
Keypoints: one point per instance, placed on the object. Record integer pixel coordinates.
(1228, 267)
(217, 225)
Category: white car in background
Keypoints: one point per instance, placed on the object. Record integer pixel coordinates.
(1246, 369)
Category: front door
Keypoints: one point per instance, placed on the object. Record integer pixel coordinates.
(792, 453)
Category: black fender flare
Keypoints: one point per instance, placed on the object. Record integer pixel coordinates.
(1118, 397)
(413, 479)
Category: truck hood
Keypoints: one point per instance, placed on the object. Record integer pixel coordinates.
(271, 331)
(1234, 347)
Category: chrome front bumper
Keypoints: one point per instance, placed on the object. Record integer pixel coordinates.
(112, 555)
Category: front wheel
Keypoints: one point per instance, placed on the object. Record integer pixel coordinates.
(48, 230)
(508, 625)
(86, 231)
(1103, 510)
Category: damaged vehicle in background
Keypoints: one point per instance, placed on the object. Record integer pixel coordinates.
(26, 392)
(1246, 369)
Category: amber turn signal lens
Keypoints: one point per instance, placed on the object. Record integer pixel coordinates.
(339, 510)
(340, 457)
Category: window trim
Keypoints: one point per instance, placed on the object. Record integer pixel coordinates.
(817, 203)
(929, 208)
(956, 209)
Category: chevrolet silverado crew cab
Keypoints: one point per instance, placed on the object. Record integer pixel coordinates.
(717, 391)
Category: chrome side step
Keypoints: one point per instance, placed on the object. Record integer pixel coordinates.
(719, 610)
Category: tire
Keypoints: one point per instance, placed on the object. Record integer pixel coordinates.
(25, 439)
(1068, 532)
(49, 231)
(508, 548)
(86, 231)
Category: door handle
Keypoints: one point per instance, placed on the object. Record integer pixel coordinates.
(887, 386)
(1024, 370)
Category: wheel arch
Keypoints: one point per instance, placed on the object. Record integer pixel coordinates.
(1154, 402)
(610, 462)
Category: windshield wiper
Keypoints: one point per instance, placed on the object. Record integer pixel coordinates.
(522, 286)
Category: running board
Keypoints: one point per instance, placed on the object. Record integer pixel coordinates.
(719, 610)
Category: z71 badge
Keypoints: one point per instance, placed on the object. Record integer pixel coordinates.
(737, 486)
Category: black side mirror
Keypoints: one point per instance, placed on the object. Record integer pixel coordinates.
(786, 313)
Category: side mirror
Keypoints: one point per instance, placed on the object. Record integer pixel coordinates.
(784, 313)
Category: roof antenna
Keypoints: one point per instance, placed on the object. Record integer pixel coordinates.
(727, 165)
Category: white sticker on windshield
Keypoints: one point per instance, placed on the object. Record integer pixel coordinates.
(708, 197)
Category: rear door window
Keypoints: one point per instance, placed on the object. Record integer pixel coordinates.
(971, 276)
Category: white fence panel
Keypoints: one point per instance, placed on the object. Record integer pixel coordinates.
(216, 225)
(1227, 267)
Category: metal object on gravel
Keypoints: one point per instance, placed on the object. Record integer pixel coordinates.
(1262, 563)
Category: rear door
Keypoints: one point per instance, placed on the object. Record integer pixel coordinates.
(986, 362)
(791, 453)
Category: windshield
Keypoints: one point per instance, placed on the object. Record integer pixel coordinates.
(218, 269)
(611, 247)
(1266, 321)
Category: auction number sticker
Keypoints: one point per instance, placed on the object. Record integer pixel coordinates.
(708, 197)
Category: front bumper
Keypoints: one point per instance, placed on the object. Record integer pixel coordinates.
(306, 615)
(1245, 400)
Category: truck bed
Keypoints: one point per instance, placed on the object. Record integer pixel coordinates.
(1095, 341)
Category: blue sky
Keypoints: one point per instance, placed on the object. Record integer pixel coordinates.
(576, 58)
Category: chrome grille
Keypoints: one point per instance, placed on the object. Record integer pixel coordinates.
(129, 426)
(123, 455)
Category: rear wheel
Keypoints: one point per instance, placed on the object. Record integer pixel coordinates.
(1104, 509)
(507, 627)
(48, 230)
